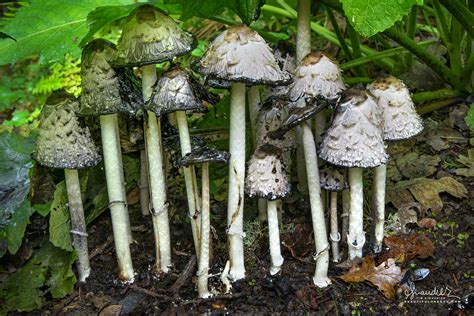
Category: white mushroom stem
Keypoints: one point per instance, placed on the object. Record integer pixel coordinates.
(262, 209)
(274, 238)
(346, 197)
(78, 223)
(189, 179)
(235, 207)
(203, 269)
(317, 212)
(116, 192)
(320, 126)
(356, 236)
(335, 237)
(302, 185)
(159, 208)
(144, 187)
(378, 207)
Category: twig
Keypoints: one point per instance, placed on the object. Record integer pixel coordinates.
(151, 293)
(184, 275)
(99, 249)
(213, 298)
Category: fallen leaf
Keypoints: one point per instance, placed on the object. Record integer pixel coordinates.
(133, 197)
(425, 191)
(427, 222)
(457, 115)
(299, 241)
(413, 165)
(468, 162)
(112, 310)
(385, 276)
(407, 247)
(439, 135)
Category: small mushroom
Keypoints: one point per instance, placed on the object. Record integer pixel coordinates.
(239, 55)
(400, 121)
(354, 140)
(204, 156)
(334, 180)
(150, 37)
(64, 144)
(267, 179)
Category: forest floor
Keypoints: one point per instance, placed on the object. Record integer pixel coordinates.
(451, 266)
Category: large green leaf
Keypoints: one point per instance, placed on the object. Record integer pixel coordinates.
(372, 16)
(50, 28)
(59, 220)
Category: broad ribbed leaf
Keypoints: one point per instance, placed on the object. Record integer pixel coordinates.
(372, 16)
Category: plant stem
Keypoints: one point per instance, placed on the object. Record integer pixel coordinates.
(159, 208)
(411, 29)
(78, 223)
(378, 207)
(356, 236)
(335, 237)
(431, 107)
(345, 213)
(116, 193)
(339, 35)
(355, 43)
(438, 94)
(274, 238)
(262, 210)
(144, 187)
(356, 80)
(190, 180)
(461, 13)
(203, 270)
(235, 208)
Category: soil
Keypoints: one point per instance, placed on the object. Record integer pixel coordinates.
(452, 266)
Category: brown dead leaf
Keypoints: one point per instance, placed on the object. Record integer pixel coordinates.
(439, 135)
(413, 165)
(299, 241)
(468, 162)
(133, 197)
(427, 222)
(407, 247)
(385, 276)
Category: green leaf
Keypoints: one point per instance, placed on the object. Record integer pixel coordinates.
(5, 35)
(48, 271)
(470, 118)
(59, 220)
(372, 16)
(50, 28)
(247, 10)
(15, 210)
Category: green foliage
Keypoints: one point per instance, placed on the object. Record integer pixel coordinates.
(15, 210)
(63, 75)
(59, 220)
(470, 118)
(49, 271)
(372, 16)
(49, 28)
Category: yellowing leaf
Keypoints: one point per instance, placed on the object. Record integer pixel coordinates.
(407, 247)
(468, 162)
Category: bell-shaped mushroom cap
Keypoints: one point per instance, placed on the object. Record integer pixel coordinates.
(287, 62)
(354, 138)
(332, 178)
(317, 75)
(106, 90)
(400, 120)
(267, 176)
(62, 142)
(151, 37)
(240, 54)
(203, 154)
(177, 90)
(273, 112)
(298, 115)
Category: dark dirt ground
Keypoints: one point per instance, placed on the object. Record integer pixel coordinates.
(293, 292)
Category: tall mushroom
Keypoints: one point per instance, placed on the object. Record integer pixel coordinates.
(400, 121)
(241, 56)
(178, 92)
(333, 180)
(105, 92)
(64, 144)
(150, 37)
(354, 140)
(267, 179)
(204, 155)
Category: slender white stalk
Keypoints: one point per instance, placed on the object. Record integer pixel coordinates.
(189, 179)
(235, 208)
(335, 237)
(254, 107)
(203, 270)
(302, 185)
(78, 223)
(159, 208)
(346, 200)
(144, 187)
(356, 236)
(117, 200)
(378, 207)
(274, 237)
(262, 209)
(320, 126)
(317, 212)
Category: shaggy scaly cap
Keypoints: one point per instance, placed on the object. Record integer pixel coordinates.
(240, 54)
(354, 138)
(332, 178)
(62, 143)
(400, 120)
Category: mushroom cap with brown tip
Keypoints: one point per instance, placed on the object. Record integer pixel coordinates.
(107, 90)
(62, 142)
(203, 154)
(266, 175)
(149, 36)
(317, 75)
(177, 90)
(240, 54)
(354, 138)
(400, 120)
(332, 178)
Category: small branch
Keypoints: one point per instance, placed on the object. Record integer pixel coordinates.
(101, 247)
(151, 293)
(184, 275)
(214, 298)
